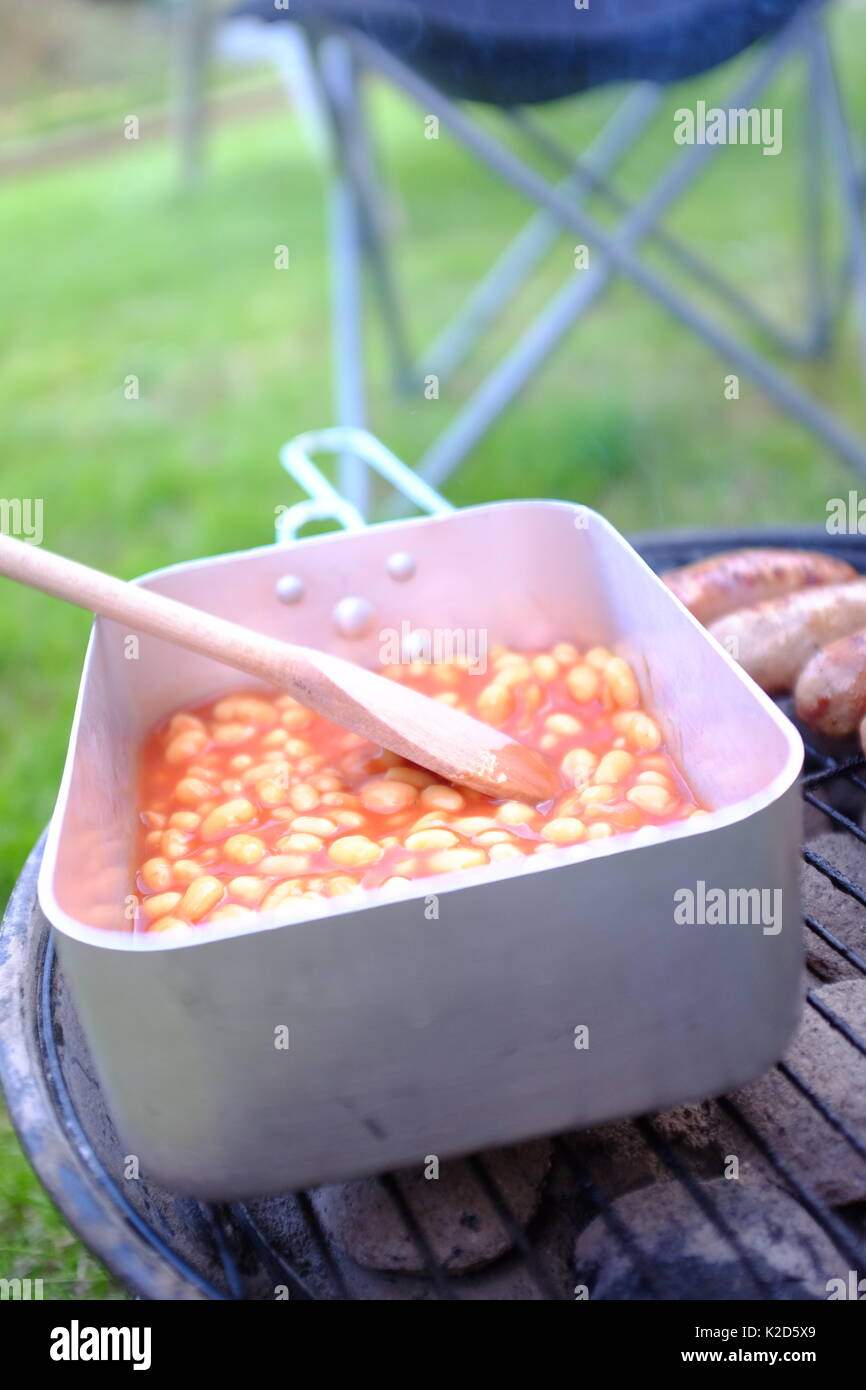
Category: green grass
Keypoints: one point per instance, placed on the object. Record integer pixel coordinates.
(115, 275)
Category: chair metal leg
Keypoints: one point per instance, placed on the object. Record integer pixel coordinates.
(850, 180)
(619, 251)
(682, 256)
(335, 64)
(533, 241)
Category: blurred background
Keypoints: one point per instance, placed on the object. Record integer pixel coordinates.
(152, 259)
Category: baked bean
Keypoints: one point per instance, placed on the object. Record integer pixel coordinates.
(416, 776)
(499, 852)
(578, 765)
(353, 850)
(563, 830)
(546, 668)
(247, 889)
(441, 798)
(444, 861)
(643, 732)
(614, 767)
(244, 849)
(601, 792)
(348, 820)
(341, 884)
(431, 839)
(384, 797)
(600, 830)
(184, 871)
(495, 704)
(311, 763)
(656, 801)
(227, 735)
(279, 896)
(201, 896)
(329, 783)
(155, 874)
(271, 791)
(303, 843)
(244, 709)
(313, 825)
(280, 865)
(239, 811)
(474, 825)
(160, 904)
(515, 673)
(184, 820)
(598, 657)
(176, 925)
(180, 723)
(494, 837)
(230, 912)
(563, 725)
(653, 779)
(303, 797)
(185, 746)
(621, 683)
(192, 790)
(583, 684)
(296, 718)
(565, 654)
(516, 813)
(174, 843)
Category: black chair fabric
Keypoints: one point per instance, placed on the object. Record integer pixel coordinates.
(514, 52)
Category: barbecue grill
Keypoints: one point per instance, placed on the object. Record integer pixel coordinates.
(164, 1246)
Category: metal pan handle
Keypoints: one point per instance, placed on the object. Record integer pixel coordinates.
(325, 502)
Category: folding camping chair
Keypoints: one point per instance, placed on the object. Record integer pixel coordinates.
(513, 55)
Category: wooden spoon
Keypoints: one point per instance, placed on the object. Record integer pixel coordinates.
(448, 742)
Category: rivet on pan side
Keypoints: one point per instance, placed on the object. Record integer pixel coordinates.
(353, 617)
(290, 589)
(401, 565)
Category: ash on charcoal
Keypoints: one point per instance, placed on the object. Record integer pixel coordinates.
(779, 1251)
(836, 910)
(619, 1159)
(453, 1211)
(835, 1070)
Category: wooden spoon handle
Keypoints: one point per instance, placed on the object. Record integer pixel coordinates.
(277, 662)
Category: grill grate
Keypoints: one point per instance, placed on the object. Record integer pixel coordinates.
(249, 1250)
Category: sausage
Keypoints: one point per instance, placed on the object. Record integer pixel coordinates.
(830, 693)
(774, 640)
(738, 578)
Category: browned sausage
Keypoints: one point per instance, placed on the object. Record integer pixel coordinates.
(739, 578)
(830, 693)
(774, 640)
